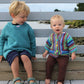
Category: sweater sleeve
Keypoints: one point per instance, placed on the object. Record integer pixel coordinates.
(48, 43)
(32, 41)
(2, 41)
(72, 47)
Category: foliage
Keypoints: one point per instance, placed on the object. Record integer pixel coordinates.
(75, 23)
(80, 7)
(56, 10)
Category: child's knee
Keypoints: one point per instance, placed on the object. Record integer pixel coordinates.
(25, 58)
(16, 59)
(49, 63)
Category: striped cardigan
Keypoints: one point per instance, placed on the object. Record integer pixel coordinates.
(61, 44)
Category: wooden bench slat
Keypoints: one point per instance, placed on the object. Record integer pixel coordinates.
(75, 70)
(4, 16)
(40, 49)
(77, 32)
(39, 65)
(46, 1)
(70, 75)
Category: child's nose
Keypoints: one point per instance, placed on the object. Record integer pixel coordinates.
(57, 25)
(25, 18)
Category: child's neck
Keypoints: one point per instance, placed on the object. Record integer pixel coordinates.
(14, 23)
(59, 33)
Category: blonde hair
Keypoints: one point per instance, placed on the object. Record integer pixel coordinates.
(57, 17)
(18, 6)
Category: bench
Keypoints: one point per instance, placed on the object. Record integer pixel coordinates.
(75, 70)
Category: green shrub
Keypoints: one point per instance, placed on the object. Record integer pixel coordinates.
(75, 23)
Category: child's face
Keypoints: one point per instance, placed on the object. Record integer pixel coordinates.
(20, 18)
(57, 25)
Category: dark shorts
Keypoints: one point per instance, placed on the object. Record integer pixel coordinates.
(14, 53)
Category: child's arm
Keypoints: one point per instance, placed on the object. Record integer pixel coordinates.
(45, 53)
(73, 56)
(72, 47)
(1, 58)
(2, 41)
(32, 41)
(47, 46)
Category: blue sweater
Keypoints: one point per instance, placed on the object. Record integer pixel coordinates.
(17, 37)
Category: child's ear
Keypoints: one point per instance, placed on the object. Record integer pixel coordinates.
(50, 25)
(64, 25)
(12, 15)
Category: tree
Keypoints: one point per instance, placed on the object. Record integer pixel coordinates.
(80, 7)
(75, 9)
(56, 10)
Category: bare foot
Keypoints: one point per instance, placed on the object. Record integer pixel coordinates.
(47, 81)
(59, 83)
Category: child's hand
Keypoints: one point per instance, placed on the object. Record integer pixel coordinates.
(34, 58)
(45, 53)
(1, 58)
(73, 56)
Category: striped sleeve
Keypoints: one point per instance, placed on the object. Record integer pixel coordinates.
(70, 43)
(48, 43)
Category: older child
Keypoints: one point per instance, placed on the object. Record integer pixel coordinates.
(58, 45)
(17, 42)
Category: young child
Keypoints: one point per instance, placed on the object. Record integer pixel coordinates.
(17, 42)
(59, 45)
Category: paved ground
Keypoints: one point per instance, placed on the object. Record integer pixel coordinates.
(53, 82)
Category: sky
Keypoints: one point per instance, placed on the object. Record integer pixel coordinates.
(44, 7)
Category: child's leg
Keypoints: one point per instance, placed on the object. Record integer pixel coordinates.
(62, 63)
(26, 59)
(13, 60)
(15, 67)
(49, 68)
(28, 66)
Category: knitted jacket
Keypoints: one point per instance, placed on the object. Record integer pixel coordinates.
(61, 44)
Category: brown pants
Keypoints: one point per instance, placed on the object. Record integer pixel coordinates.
(62, 65)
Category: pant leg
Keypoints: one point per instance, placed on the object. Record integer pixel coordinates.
(62, 65)
(49, 66)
